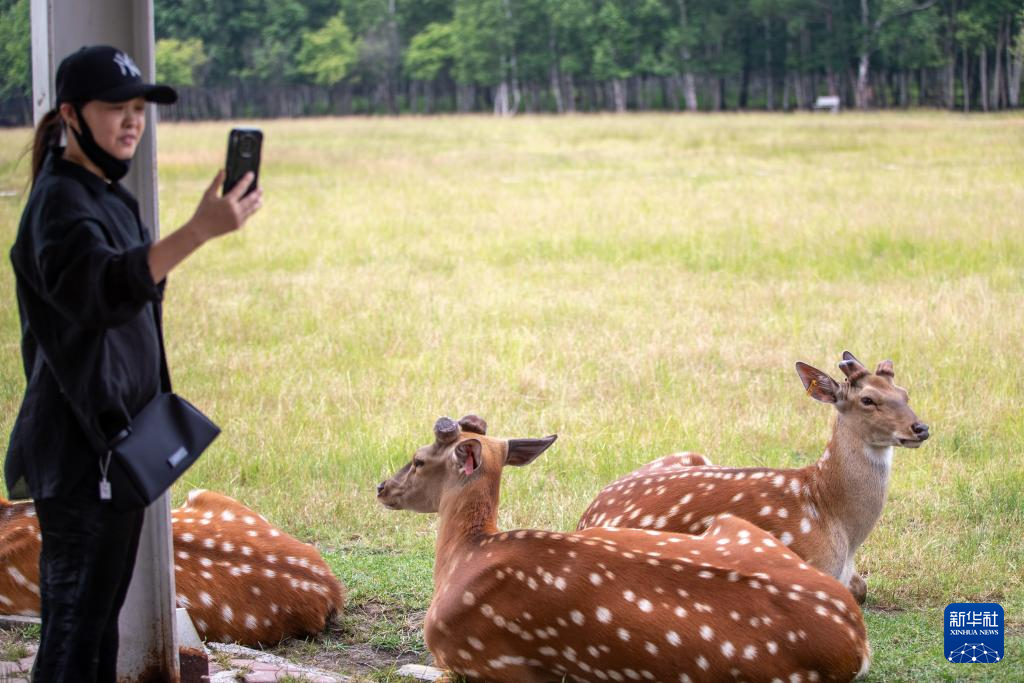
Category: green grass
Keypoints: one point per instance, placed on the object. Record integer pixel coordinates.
(638, 285)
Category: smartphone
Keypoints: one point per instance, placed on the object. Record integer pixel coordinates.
(244, 146)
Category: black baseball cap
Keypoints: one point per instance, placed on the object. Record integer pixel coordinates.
(102, 72)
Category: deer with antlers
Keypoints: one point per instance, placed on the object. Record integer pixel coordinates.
(604, 604)
(822, 512)
(241, 579)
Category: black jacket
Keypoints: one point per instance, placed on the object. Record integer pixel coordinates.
(90, 320)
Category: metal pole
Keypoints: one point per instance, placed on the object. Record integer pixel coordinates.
(149, 649)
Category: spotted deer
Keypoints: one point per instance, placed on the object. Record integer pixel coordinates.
(241, 579)
(822, 512)
(528, 606)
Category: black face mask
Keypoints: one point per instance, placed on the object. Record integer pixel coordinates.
(113, 168)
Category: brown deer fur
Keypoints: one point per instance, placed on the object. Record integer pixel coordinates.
(823, 512)
(241, 579)
(530, 606)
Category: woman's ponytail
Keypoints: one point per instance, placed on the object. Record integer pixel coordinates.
(47, 135)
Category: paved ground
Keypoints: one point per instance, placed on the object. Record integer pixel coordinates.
(228, 664)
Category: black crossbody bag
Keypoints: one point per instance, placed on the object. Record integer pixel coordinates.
(149, 455)
(157, 446)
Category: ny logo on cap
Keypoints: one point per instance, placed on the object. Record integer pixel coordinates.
(126, 65)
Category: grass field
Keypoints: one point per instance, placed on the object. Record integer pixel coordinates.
(638, 285)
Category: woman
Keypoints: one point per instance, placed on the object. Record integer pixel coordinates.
(89, 287)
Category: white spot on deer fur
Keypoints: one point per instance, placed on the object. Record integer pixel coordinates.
(187, 538)
(182, 555)
(577, 617)
(783, 513)
(595, 579)
(673, 638)
(794, 486)
(779, 480)
(728, 649)
(737, 497)
(468, 599)
(205, 598)
(603, 614)
(706, 633)
(209, 543)
(645, 606)
(702, 662)
(805, 525)
(250, 622)
(765, 511)
(750, 652)
(786, 537)
(629, 596)
(227, 516)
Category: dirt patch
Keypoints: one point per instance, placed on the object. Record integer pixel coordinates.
(370, 637)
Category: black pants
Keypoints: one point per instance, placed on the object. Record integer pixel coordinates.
(84, 570)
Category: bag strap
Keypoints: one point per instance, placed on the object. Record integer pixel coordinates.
(146, 235)
(165, 373)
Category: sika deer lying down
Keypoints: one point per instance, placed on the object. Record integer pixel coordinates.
(241, 579)
(823, 512)
(603, 604)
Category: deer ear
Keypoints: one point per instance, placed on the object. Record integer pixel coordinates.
(473, 423)
(467, 456)
(446, 430)
(885, 369)
(819, 385)
(524, 451)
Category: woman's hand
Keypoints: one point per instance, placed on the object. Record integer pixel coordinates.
(216, 215)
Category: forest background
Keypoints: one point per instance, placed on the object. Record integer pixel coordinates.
(257, 58)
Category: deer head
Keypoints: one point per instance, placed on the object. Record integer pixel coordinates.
(871, 405)
(460, 451)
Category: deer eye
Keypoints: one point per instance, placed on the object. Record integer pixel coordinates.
(865, 401)
(417, 462)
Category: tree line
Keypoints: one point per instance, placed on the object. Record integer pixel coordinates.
(233, 58)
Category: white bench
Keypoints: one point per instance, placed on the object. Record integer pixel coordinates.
(830, 102)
